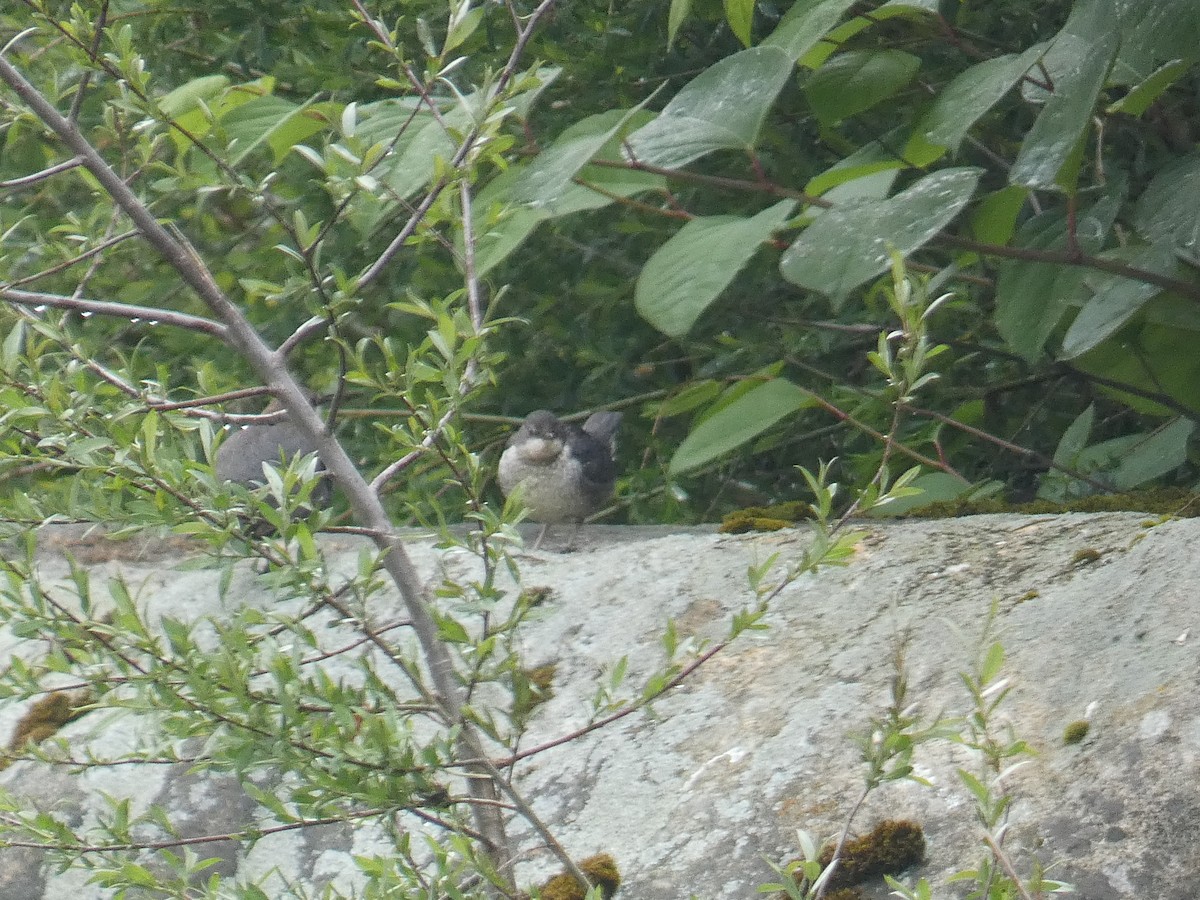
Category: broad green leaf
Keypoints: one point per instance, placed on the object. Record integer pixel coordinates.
(271, 120)
(531, 86)
(187, 96)
(1043, 161)
(968, 97)
(1074, 439)
(10, 351)
(994, 218)
(849, 245)
(415, 159)
(872, 186)
(689, 271)
(1138, 100)
(857, 80)
(804, 25)
(548, 177)
(894, 8)
(1152, 33)
(933, 487)
(833, 41)
(1169, 209)
(740, 16)
(1155, 455)
(1116, 300)
(722, 108)
(1031, 297)
(1166, 362)
(745, 418)
(499, 233)
(417, 141)
(881, 155)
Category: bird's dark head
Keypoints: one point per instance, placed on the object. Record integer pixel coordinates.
(540, 438)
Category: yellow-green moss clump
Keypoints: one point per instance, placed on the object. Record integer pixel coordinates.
(1164, 501)
(1076, 732)
(42, 720)
(600, 869)
(765, 518)
(892, 846)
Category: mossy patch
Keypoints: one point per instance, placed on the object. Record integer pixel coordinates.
(1076, 732)
(890, 847)
(1162, 501)
(600, 869)
(765, 518)
(43, 719)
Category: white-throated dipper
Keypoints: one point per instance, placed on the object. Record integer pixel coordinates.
(565, 472)
(241, 455)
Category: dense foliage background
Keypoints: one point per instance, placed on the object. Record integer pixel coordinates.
(957, 240)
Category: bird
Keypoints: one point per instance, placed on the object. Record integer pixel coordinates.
(564, 472)
(241, 456)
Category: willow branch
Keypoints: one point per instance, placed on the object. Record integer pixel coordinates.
(149, 314)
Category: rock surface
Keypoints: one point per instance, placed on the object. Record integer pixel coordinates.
(1098, 615)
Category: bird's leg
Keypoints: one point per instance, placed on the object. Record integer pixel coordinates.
(541, 536)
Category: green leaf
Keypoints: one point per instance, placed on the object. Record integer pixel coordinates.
(271, 120)
(675, 17)
(849, 245)
(743, 419)
(548, 177)
(1169, 209)
(740, 16)
(14, 341)
(968, 97)
(804, 25)
(688, 272)
(1138, 100)
(1159, 453)
(994, 218)
(1075, 438)
(1031, 297)
(1044, 156)
(188, 96)
(992, 663)
(463, 23)
(1116, 300)
(721, 108)
(502, 225)
(857, 80)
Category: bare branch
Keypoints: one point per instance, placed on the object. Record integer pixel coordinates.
(27, 180)
(150, 315)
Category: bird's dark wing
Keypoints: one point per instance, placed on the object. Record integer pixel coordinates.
(595, 459)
